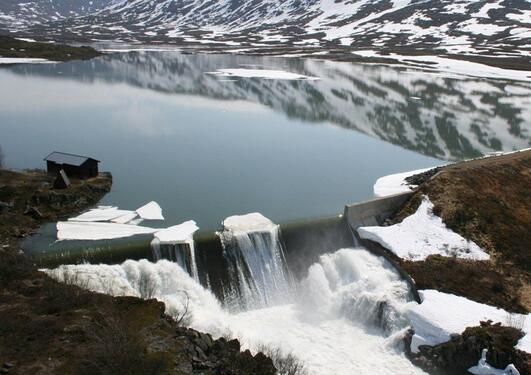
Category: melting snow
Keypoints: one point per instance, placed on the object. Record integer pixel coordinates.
(423, 234)
(252, 222)
(261, 73)
(441, 314)
(394, 183)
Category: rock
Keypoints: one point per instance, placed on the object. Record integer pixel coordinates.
(33, 212)
(5, 207)
(8, 365)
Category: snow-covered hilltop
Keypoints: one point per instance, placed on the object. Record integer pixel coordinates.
(502, 26)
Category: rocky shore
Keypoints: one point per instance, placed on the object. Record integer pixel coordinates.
(487, 201)
(50, 328)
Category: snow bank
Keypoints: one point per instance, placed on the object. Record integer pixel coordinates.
(448, 65)
(253, 222)
(23, 60)
(78, 230)
(150, 211)
(261, 73)
(394, 183)
(181, 233)
(421, 235)
(441, 314)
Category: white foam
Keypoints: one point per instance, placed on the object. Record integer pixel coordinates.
(326, 328)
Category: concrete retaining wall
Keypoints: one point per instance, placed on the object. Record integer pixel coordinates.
(372, 213)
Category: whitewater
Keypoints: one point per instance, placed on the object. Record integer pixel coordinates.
(347, 316)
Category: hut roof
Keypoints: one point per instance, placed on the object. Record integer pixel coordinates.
(65, 158)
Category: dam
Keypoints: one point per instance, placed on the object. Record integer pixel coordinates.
(211, 258)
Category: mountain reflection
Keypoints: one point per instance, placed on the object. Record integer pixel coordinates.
(438, 115)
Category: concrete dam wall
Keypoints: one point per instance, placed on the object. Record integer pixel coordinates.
(303, 242)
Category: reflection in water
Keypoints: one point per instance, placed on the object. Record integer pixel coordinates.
(439, 115)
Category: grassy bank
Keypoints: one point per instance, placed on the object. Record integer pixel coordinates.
(11, 47)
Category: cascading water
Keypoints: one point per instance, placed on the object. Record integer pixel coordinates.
(257, 266)
(177, 245)
(346, 318)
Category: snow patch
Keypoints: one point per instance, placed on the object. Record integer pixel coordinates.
(423, 234)
(394, 183)
(441, 314)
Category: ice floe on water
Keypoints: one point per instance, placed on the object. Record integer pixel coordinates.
(181, 233)
(150, 211)
(24, 60)
(79, 230)
(260, 73)
(441, 314)
(423, 234)
(395, 183)
(109, 222)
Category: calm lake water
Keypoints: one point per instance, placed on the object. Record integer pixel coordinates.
(206, 147)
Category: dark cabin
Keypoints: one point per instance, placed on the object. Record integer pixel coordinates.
(75, 166)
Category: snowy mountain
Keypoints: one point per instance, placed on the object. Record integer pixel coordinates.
(15, 14)
(454, 25)
(439, 115)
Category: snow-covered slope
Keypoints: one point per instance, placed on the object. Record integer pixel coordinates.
(16, 14)
(439, 115)
(457, 25)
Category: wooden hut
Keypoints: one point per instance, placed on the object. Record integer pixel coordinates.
(75, 166)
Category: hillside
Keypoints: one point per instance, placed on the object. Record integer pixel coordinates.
(495, 28)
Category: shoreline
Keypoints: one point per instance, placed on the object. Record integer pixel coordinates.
(52, 327)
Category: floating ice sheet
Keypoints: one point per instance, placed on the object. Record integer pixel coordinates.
(74, 230)
(178, 233)
(261, 73)
(150, 211)
(423, 234)
(23, 60)
(101, 214)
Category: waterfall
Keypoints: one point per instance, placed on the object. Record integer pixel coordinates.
(257, 266)
(177, 245)
(356, 285)
(347, 316)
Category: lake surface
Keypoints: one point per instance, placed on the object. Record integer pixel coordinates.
(207, 147)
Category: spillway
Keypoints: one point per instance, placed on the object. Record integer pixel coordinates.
(345, 314)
